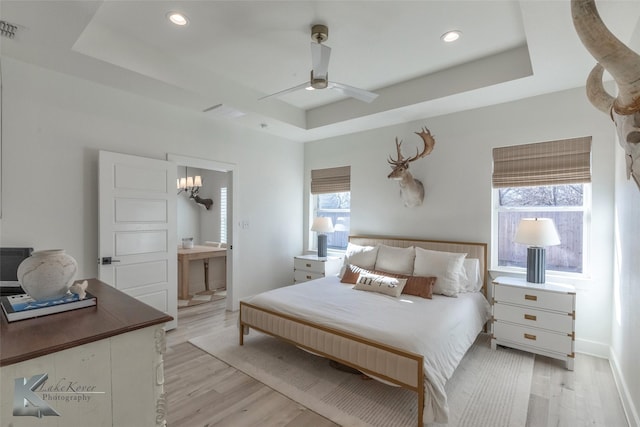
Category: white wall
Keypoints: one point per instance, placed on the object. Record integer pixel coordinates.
(457, 177)
(53, 127)
(625, 335)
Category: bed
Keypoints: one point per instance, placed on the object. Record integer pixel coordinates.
(406, 340)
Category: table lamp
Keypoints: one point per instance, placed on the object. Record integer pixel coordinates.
(537, 233)
(322, 225)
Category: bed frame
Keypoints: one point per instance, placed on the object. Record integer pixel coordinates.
(373, 358)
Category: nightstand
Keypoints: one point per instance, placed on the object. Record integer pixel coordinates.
(309, 267)
(535, 317)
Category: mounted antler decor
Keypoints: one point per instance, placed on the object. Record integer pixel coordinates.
(207, 203)
(411, 189)
(624, 66)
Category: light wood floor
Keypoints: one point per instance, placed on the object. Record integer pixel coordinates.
(203, 391)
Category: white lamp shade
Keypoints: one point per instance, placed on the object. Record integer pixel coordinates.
(189, 181)
(322, 225)
(537, 232)
(183, 183)
(197, 181)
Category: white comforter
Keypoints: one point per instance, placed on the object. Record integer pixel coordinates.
(441, 329)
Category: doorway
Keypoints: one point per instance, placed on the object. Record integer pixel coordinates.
(208, 225)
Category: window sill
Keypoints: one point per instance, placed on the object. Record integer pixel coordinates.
(330, 252)
(576, 279)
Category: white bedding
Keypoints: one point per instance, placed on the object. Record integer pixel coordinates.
(441, 329)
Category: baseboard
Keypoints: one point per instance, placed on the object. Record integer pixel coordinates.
(592, 348)
(218, 284)
(627, 403)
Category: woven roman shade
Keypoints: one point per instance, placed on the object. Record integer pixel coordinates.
(566, 161)
(331, 180)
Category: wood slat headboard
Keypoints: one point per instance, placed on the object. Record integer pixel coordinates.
(473, 250)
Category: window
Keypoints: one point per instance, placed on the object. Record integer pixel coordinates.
(543, 180)
(336, 206)
(331, 197)
(223, 215)
(569, 207)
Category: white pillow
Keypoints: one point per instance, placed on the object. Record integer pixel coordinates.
(395, 260)
(471, 277)
(361, 256)
(381, 284)
(446, 266)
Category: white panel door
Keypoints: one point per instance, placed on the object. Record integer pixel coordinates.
(137, 221)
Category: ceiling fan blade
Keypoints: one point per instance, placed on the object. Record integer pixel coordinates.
(283, 92)
(353, 92)
(320, 60)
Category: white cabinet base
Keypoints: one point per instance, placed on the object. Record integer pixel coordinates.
(116, 381)
(310, 267)
(538, 318)
(569, 360)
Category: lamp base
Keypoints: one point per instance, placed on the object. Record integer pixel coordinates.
(322, 245)
(536, 264)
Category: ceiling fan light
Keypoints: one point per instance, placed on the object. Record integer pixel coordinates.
(178, 18)
(319, 75)
(451, 36)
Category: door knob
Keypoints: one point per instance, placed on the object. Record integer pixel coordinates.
(107, 260)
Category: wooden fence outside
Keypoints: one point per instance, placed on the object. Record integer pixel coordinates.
(564, 257)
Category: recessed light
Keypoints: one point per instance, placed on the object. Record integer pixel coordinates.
(178, 18)
(451, 36)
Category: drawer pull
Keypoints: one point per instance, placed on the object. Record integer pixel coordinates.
(308, 277)
(531, 297)
(530, 337)
(530, 317)
(308, 265)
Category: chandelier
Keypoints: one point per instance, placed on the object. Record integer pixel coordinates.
(190, 185)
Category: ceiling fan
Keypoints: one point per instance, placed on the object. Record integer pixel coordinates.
(320, 54)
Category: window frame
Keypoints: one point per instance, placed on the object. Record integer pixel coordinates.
(223, 214)
(313, 210)
(586, 232)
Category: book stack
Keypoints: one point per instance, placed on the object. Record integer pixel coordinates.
(22, 306)
(10, 287)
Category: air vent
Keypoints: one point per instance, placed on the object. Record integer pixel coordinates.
(221, 110)
(8, 30)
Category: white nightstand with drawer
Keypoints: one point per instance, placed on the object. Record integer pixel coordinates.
(535, 317)
(309, 267)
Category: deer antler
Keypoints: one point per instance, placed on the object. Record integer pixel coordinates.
(400, 157)
(429, 143)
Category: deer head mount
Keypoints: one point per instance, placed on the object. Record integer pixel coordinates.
(624, 66)
(207, 203)
(192, 193)
(411, 189)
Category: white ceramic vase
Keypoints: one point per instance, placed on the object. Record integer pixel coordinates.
(187, 243)
(47, 274)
